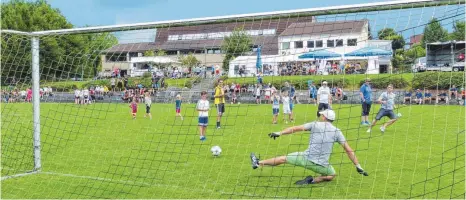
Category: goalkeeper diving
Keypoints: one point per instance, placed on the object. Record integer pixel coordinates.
(316, 157)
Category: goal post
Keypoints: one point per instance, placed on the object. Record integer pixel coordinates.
(36, 102)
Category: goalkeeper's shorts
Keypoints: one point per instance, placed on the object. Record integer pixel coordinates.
(298, 159)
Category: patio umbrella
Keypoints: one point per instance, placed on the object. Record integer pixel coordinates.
(370, 51)
(319, 54)
(259, 60)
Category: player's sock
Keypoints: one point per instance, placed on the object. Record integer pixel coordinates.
(382, 128)
(218, 124)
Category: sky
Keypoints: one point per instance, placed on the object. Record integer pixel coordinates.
(110, 12)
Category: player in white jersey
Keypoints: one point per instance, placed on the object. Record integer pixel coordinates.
(203, 109)
(323, 134)
(148, 102)
(324, 98)
(286, 106)
(275, 107)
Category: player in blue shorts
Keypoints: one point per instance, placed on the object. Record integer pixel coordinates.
(203, 109)
(387, 99)
(313, 93)
(275, 107)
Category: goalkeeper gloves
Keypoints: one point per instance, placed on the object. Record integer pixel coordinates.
(361, 170)
(274, 135)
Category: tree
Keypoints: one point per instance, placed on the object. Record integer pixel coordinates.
(458, 31)
(398, 60)
(385, 33)
(398, 42)
(189, 61)
(161, 52)
(149, 53)
(416, 51)
(434, 32)
(235, 45)
(60, 56)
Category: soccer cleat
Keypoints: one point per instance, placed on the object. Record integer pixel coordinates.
(254, 161)
(203, 138)
(363, 124)
(382, 129)
(305, 181)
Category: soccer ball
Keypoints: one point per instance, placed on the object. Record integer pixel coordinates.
(216, 150)
(399, 115)
(239, 102)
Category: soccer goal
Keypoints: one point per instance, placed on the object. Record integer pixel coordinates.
(352, 101)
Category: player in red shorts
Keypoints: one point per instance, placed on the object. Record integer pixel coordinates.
(178, 106)
(134, 107)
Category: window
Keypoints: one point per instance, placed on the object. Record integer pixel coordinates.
(298, 44)
(217, 51)
(210, 51)
(339, 43)
(319, 43)
(352, 42)
(285, 45)
(310, 44)
(330, 43)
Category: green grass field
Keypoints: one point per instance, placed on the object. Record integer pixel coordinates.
(97, 151)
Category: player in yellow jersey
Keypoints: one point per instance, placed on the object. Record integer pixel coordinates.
(219, 101)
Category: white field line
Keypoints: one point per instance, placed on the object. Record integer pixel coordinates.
(134, 182)
(19, 175)
(118, 181)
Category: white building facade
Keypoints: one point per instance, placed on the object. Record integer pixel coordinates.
(340, 37)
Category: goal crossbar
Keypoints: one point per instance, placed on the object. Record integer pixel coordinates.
(354, 8)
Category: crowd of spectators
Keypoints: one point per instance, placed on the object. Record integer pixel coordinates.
(426, 96)
(311, 68)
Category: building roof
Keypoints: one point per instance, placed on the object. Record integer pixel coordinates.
(268, 43)
(131, 47)
(319, 28)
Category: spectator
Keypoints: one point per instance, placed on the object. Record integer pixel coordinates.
(23, 95)
(112, 84)
(419, 97)
(258, 94)
(85, 97)
(268, 92)
(453, 94)
(427, 96)
(339, 93)
(442, 96)
(407, 97)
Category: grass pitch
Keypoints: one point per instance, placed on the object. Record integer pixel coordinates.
(97, 151)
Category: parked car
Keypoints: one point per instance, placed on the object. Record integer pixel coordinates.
(458, 66)
(419, 65)
(76, 78)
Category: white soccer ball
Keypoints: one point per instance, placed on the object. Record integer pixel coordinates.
(399, 114)
(216, 150)
(239, 102)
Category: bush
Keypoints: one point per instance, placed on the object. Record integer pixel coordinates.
(133, 82)
(383, 82)
(147, 75)
(61, 86)
(101, 82)
(437, 80)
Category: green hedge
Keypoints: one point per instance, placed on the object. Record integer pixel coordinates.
(440, 80)
(383, 82)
